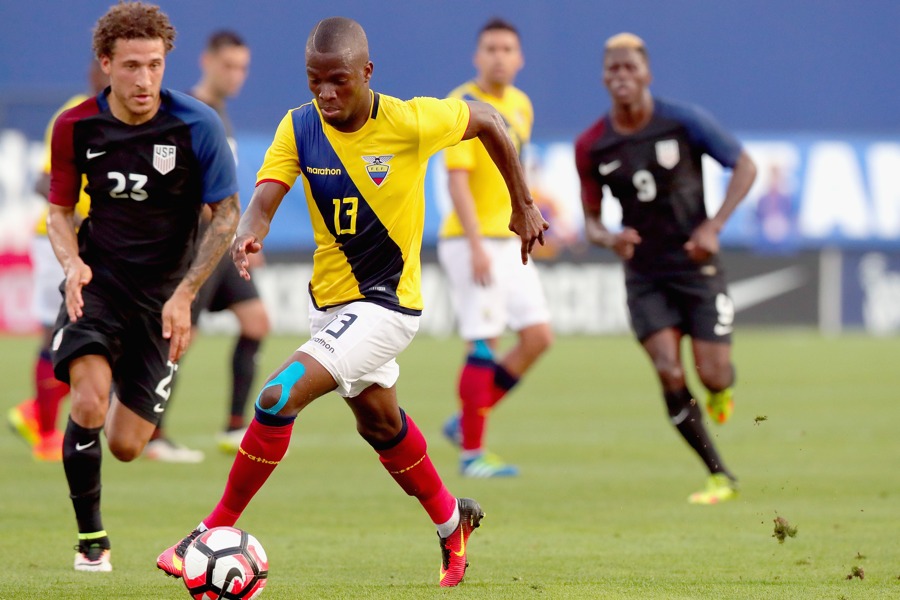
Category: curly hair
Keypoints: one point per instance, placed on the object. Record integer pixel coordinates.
(132, 21)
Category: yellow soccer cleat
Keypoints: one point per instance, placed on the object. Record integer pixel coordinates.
(719, 488)
(720, 405)
(23, 420)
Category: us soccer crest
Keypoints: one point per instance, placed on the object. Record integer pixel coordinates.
(163, 158)
(667, 154)
(378, 167)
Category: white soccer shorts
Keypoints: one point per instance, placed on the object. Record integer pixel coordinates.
(358, 344)
(514, 298)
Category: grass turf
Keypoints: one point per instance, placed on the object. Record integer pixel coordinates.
(598, 512)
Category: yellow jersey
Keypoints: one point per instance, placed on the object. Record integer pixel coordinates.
(365, 194)
(84, 201)
(488, 188)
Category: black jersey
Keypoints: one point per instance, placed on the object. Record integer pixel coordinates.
(147, 184)
(656, 175)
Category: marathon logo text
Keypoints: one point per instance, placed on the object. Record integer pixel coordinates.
(324, 344)
(322, 171)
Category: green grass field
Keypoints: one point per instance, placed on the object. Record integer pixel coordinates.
(598, 512)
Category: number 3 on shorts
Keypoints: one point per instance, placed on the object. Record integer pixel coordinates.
(343, 322)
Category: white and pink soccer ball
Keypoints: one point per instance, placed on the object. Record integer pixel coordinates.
(225, 563)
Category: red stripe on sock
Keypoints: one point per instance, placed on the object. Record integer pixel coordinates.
(409, 465)
(261, 450)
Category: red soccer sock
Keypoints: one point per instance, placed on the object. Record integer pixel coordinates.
(261, 450)
(49, 393)
(502, 382)
(475, 384)
(408, 463)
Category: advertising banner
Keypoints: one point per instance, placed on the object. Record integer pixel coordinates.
(816, 241)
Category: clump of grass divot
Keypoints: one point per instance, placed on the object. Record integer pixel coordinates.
(783, 530)
(759, 419)
(857, 572)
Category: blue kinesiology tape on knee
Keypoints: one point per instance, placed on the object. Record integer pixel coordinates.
(481, 350)
(286, 379)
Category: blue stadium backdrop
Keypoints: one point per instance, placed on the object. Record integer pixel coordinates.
(810, 86)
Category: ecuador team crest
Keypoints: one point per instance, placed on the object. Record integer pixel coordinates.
(378, 167)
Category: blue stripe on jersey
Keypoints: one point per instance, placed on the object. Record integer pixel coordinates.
(517, 142)
(375, 102)
(374, 258)
(209, 142)
(703, 130)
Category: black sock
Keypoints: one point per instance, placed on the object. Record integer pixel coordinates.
(688, 420)
(81, 459)
(243, 368)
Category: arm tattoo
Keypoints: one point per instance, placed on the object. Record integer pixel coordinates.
(215, 241)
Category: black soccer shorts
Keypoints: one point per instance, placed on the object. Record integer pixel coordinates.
(693, 301)
(224, 288)
(130, 337)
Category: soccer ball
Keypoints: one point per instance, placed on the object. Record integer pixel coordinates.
(225, 563)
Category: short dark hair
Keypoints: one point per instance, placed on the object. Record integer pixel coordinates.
(498, 24)
(132, 21)
(224, 38)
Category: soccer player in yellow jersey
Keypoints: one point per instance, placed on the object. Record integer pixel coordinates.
(361, 157)
(490, 288)
(35, 418)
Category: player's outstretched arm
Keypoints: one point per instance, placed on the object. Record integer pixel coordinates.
(63, 239)
(704, 241)
(176, 313)
(255, 223)
(526, 221)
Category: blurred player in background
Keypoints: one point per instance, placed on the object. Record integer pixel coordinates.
(361, 157)
(225, 64)
(490, 287)
(36, 419)
(648, 151)
(152, 157)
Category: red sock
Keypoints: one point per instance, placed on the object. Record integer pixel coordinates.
(49, 393)
(409, 465)
(261, 450)
(475, 383)
(502, 382)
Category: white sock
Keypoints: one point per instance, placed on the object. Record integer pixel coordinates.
(470, 454)
(445, 529)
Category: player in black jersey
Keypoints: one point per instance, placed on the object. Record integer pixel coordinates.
(225, 63)
(151, 158)
(648, 152)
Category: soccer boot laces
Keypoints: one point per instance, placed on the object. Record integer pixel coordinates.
(171, 561)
